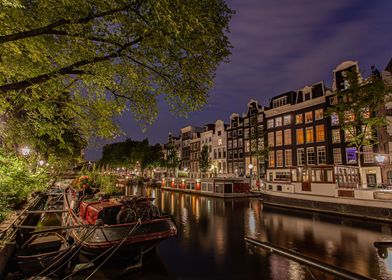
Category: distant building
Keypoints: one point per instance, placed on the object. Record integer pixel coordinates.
(219, 149)
(235, 154)
(187, 134)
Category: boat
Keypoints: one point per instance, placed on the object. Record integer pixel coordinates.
(131, 223)
(40, 251)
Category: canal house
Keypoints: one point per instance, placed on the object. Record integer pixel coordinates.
(309, 151)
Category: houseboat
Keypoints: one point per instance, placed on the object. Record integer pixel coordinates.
(329, 189)
(98, 224)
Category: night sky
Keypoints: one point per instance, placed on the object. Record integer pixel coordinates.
(281, 45)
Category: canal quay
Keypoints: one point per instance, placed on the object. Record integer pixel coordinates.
(210, 242)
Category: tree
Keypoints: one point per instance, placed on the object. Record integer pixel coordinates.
(257, 144)
(357, 108)
(172, 161)
(204, 159)
(97, 59)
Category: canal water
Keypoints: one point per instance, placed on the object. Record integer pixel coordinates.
(210, 242)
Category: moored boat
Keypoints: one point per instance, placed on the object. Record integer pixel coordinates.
(40, 251)
(98, 224)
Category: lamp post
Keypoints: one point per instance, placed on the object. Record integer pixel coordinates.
(25, 151)
(250, 166)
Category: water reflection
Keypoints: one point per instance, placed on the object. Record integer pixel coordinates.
(210, 242)
(343, 242)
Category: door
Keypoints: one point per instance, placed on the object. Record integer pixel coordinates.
(371, 180)
(306, 180)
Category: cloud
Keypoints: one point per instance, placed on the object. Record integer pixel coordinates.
(283, 45)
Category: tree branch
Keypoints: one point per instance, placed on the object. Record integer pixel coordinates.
(91, 38)
(68, 70)
(45, 29)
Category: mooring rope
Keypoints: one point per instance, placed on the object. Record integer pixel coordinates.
(87, 234)
(105, 252)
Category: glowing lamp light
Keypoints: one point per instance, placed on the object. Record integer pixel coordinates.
(25, 151)
(41, 162)
(379, 158)
(250, 166)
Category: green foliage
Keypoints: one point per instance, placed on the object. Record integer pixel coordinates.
(18, 178)
(358, 106)
(204, 160)
(257, 144)
(68, 68)
(129, 153)
(105, 182)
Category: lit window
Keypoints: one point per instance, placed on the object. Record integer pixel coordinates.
(278, 138)
(247, 146)
(309, 135)
(279, 158)
(278, 121)
(320, 134)
(366, 113)
(367, 131)
(321, 155)
(271, 139)
(299, 119)
(246, 121)
(246, 133)
(334, 119)
(219, 142)
(309, 117)
(300, 136)
(368, 156)
(229, 144)
(288, 158)
(287, 136)
(270, 123)
(240, 143)
(287, 120)
(349, 116)
(351, 155)
(335, 136)
(310, 155)
(349, 134)
(300, 156)
(234, 144)
(337, 156)
(271, 159)
(319, 114)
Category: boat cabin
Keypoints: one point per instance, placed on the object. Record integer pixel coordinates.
(105, 210)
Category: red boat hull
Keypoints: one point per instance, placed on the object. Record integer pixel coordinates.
(134, 236)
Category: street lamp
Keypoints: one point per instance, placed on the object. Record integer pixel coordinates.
(380, 159)
(25, 151)
(250, 166)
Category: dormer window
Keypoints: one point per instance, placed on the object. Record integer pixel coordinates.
(279, 102)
